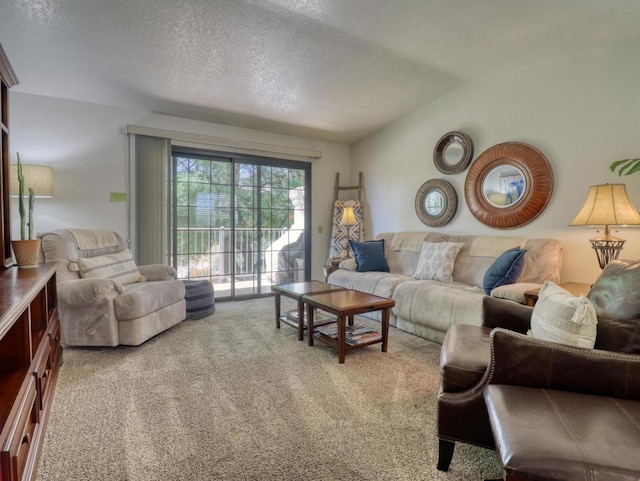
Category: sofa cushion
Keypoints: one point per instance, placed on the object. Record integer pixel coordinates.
(437, 260)
(544, 434)
(560, 317)
(118, 267)
(141, 299)
(381, 284)
(430, 308)
(400, 251)
(369, 256)
(504, 270)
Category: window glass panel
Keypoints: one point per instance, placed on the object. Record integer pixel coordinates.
(239, 224)
(245, 174)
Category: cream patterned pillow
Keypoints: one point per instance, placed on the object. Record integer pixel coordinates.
(436, 261)
(118, 267)
(560, 317)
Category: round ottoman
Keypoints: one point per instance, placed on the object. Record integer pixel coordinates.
(199, 298)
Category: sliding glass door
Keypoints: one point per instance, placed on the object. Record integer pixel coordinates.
(241, 222)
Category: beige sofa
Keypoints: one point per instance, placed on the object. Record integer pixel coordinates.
(428, 308)
(102, 311)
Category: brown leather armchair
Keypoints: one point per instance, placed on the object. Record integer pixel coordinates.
(563, 413)
(465, 367)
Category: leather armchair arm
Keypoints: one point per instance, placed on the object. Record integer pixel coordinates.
(520, 360)
(158, 272)
(79, 292)
(506, 314)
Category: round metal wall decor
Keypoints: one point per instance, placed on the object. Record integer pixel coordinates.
(453, 152)
(508, 185)
(436, 202)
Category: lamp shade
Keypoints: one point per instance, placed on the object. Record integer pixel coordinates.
(607, 204)
(38, 177)
(348, 216)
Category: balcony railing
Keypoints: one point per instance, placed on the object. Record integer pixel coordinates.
(204, 252)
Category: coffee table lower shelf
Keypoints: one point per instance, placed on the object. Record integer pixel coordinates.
(317, 323)
(345, 305)
(333, 341)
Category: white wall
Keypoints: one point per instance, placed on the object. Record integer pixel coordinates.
(582, 112)
(88, 150)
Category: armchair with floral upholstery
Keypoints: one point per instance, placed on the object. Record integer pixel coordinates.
(104, 299)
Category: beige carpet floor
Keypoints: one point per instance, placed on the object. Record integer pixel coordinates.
(230, 397)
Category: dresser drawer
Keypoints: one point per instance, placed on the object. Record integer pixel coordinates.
(16, 451)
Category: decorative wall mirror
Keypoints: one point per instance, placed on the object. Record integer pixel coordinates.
(453, 152)
(508, 185)
(436, 202)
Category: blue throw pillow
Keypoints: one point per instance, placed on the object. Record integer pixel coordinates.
(505, 269)
(369, 256)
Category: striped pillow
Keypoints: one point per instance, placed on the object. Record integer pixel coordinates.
(118, 267)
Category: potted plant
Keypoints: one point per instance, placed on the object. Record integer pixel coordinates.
(26, 249)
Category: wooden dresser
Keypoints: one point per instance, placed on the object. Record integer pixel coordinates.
(30, 358)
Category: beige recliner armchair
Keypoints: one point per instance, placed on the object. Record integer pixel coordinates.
(108, 311)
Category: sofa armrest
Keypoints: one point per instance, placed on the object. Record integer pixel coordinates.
(348, 264)
(506, 314)
(79, 292)
(158, 272)
(515, 292)
(521, 360)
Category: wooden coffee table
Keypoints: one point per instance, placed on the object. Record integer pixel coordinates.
(344, 305)
(296, 291)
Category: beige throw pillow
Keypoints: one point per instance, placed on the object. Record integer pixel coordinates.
(119, 267)
(560, 317)
(437, 260)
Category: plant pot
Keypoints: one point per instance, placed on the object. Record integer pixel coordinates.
(26, 252)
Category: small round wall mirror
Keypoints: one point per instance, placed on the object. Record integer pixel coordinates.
(508, 185)
(453, 152)
(436, 202)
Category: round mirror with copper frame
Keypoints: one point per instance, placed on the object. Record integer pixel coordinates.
(508, 185)
(436, 202)
(453, 152)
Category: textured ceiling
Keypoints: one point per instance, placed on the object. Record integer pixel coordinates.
(328, 69)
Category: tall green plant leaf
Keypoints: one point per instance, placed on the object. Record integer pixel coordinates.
(625, 166)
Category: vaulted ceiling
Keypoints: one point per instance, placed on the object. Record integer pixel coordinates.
(334, 70)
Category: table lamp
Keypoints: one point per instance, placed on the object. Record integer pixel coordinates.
(607, 204)
(38, 177)
(348, 216)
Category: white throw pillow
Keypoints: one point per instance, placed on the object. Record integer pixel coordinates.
(437, 260)
(560, 317)
(119, 267)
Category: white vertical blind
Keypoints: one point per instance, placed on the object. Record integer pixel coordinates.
(150, 213)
